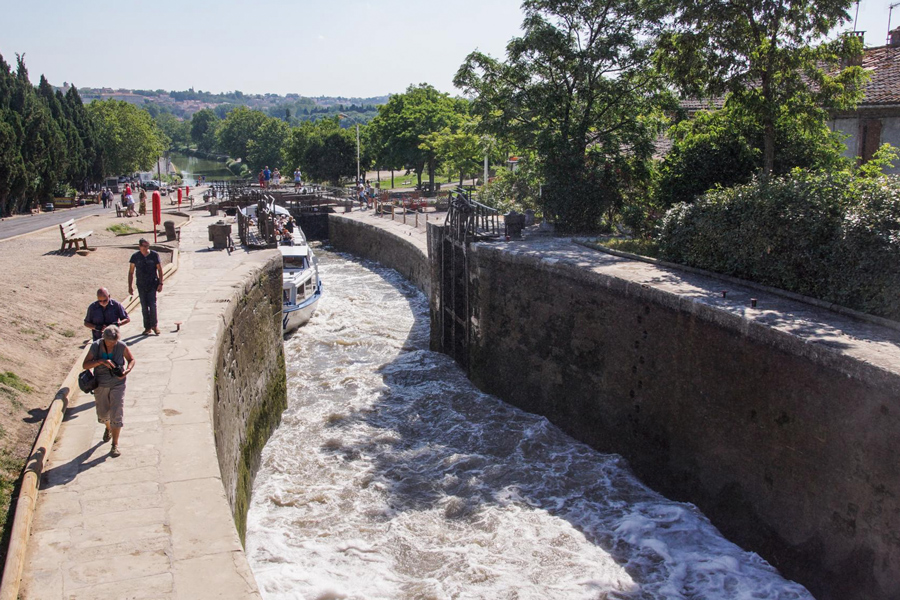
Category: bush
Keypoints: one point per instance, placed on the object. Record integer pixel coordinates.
(830, 236)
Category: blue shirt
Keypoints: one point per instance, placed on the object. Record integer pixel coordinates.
(100, 316)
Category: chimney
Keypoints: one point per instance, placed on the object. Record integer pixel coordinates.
(857, 59)
(894, 39)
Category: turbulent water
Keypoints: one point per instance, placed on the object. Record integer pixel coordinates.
(392, 476)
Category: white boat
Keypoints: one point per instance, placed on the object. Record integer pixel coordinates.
(301, 287)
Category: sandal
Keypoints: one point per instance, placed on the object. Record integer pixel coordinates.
(106, 436)
(114, 451)
(146, 332)
(156, 330)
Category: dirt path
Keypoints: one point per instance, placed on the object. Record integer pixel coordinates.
(44, 295)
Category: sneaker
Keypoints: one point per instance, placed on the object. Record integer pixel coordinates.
(106, 436)
(114, 451)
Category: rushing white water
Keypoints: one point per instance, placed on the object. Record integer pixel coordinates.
(392, 476)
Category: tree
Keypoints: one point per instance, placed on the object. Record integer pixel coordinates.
(178, 131)
(129, 138)
(576, 89)
(402, 123)
(330, 152)
(267, 146)
(238, 128)
(462, 151)
(761, 52)
(204, 124)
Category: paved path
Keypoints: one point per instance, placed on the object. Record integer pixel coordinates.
(153, 523)
(815, 330)
(29, 223)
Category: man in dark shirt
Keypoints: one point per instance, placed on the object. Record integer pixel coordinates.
(105, 311)
(145, 262)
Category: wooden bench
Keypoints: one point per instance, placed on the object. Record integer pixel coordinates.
(71, 236)
(120, 208)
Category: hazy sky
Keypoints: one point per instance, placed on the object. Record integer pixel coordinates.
(322, 47)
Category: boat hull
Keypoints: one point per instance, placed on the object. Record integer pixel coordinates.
(297, 315)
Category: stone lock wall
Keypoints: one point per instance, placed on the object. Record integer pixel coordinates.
(373, 243)
(790, 452)
(250, 384)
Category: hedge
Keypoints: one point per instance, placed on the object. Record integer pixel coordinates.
(835, 237)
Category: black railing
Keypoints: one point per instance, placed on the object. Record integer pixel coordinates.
(469, 220)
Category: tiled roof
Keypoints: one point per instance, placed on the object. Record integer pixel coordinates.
(883, 65)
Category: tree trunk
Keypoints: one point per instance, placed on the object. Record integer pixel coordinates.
(392, 179)
(768, 148)
(431, 168)
(460, 179)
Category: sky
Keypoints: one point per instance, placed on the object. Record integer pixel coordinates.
(322, 47)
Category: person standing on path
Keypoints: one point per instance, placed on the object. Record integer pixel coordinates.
(297, 178)
(103, 313)
(145, 262)
(267, 175)
(112, 361)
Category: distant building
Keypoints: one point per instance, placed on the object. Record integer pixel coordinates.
(876, 120)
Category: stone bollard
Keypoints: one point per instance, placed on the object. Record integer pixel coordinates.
(170, 230)
(219, 233)
(213, 209)
(514, 222)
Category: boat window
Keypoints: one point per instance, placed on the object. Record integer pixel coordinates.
(295, 262)
(287, 296)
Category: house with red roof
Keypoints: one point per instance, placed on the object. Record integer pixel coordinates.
(876, 120)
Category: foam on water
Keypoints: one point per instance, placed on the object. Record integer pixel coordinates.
(392, 476)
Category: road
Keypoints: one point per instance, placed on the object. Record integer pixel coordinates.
(26, 224)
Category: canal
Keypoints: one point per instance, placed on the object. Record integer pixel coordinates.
(391, 476)
(192, 167)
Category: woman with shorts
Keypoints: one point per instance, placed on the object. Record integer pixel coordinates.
(112, 361)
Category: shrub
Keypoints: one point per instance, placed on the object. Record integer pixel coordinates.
(830, 236)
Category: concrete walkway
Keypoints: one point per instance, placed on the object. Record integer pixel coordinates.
(153, 523)
(20, 225)
(805, 328)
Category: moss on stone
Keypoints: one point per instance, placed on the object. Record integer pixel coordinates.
(261, 422)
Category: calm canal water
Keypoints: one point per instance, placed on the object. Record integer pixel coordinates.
(192, 168)
(393, 477)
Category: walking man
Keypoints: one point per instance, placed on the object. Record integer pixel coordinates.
(103, 313)
(145, 262)
(112, 361)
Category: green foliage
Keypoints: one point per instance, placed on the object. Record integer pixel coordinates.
(46, 140)
(576, 89)
(461, 151)
(204, 125)
(265, 148)
(178, 131)
(725, 148)
(883, 159)
(761, 52)
(123, 229)
(831, 236)
(12, 380)
(517, 189)
(642, 246)
(398, 132)
(129, 138)
(238, 128)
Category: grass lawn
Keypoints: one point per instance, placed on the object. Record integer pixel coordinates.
(123, 229)
(634, 246)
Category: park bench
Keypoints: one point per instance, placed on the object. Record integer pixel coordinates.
(71, 236)
(120, 208)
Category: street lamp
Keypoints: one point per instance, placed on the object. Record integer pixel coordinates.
(343, 116)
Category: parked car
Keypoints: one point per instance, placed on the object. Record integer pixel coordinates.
(151, 185)
(48, 207)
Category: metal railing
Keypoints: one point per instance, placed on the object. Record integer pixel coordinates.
(468, 219)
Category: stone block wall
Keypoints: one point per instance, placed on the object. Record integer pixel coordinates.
(250, 383)
(789, 450)
(374, 243)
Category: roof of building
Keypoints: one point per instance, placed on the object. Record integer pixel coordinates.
(883, 65)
